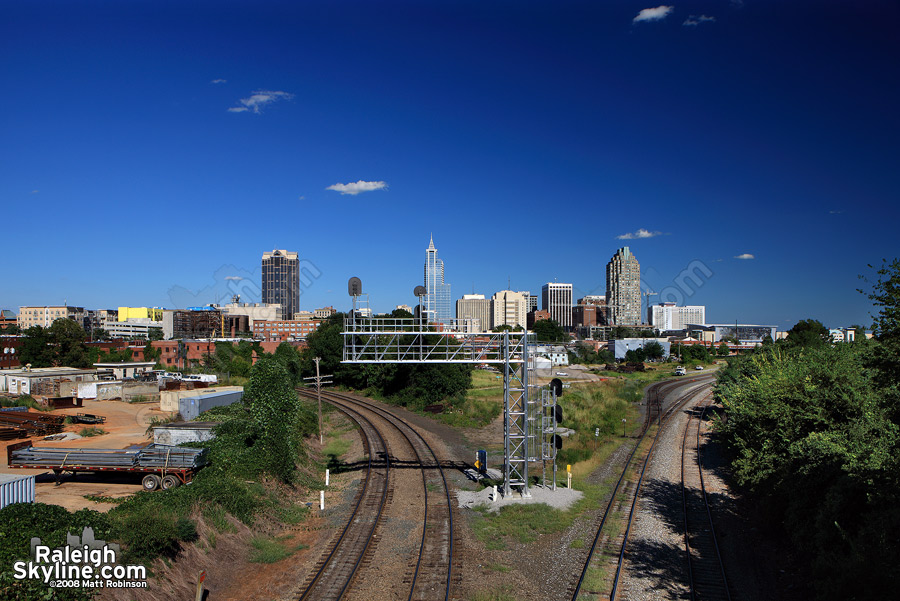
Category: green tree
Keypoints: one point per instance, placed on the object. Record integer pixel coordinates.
(155, 334)
(654, 350)
(99, 334)
(723, 350)
(635, 356)
(60, 344)
(67, 336)
(694, 353)
(115, 355)
(549, 330)
(808, 333)
(620, 332)
(151, 353)
(35, 348)
(885, 296)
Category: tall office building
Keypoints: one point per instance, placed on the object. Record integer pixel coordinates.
(509, 308)
(473, 313)
(437, 293)
(623, 289)
(557, 300)
(281, 281)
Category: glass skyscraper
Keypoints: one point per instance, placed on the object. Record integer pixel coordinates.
(437, 303)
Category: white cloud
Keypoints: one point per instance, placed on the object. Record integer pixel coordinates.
(355, 188)
(745, 257)
(34, 191)
(256, 101)
(641, 233)
(653, 14)
(835, 212)
(697, 19)
(233, 277)
(219, 81)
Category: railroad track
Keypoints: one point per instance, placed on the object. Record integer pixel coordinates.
(336, 569)
(706, 571)
(610, 546)
(430, 575)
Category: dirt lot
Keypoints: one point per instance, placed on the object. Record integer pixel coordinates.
(126, 424)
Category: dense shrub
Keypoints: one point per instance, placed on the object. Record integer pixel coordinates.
(812, 438)
(21, 521)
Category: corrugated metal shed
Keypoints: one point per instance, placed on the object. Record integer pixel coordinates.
(16, 489)
(191, 407)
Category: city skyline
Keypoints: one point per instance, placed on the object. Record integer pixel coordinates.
(756, 148)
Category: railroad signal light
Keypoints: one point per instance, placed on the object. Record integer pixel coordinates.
(557, 441)
(354, 287)
(557, 414)
(556, 386)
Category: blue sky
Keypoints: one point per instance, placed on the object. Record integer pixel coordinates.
(152, 151)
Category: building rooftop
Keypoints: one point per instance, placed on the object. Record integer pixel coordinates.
(52, 373)
(125, 364)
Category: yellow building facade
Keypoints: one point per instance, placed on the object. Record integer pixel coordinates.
(153, 314)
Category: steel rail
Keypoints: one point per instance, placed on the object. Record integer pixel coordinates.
(673, 384)
(687, 397)
(403, 427)
(716, 588)
(330, 560)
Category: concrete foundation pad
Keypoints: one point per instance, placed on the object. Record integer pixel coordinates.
(561, 498)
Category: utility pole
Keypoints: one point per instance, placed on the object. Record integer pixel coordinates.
(319, 381)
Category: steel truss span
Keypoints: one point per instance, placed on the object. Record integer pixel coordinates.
(412, 340)
(389, 340)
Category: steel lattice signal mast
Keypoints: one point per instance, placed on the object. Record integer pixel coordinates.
(414, 340)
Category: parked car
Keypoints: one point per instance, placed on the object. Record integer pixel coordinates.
(562, 373)
(679, 371)
(699, 367)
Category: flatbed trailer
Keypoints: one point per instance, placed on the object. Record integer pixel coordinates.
(163, 466)
(88, 418)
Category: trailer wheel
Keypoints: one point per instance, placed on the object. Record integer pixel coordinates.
(150, 482)
(170, 481)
